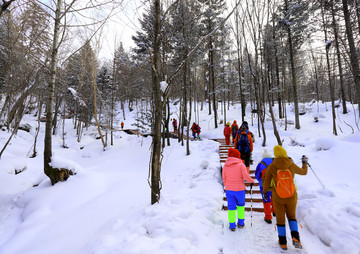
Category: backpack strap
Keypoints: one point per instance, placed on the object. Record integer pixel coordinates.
(264, 163)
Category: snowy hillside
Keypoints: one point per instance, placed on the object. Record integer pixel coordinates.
(105, 208)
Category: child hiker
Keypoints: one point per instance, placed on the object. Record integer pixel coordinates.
(260, 176)
(234, 173)
(227, 132)
(281, 173)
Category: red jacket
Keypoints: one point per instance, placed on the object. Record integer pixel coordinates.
(234, 173)
(227, 131)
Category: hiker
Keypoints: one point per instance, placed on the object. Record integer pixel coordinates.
(198, 130)
(194, 130)
(122, 125)
(252, 136)
(281, 173)
(234, 130)
(234, 173)
(247, 127)
(227, 132)
(174, 123)
(243, 142)
(267, 159)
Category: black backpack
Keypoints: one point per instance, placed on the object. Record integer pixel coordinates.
(243, 144)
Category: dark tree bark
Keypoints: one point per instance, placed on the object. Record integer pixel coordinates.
(353, 55)
(156, 145)
(329, 76)
(338, 54)
(293, 74)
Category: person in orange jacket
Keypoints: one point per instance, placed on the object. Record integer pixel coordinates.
(234, 174)
(227, 132)
(234, 130)
(122, 125)
(243, 142)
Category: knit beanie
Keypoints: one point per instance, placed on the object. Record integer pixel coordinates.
(234, 153)
(279, 152)
(228, 124)
(266, 154)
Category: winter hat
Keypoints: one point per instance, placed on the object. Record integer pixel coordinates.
(234, 153)
(234, 121)
(266, 154)
(228, 124)
(279, 152)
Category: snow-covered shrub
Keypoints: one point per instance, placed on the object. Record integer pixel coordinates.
(324, 144)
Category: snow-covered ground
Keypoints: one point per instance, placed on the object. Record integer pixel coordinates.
(105, 208)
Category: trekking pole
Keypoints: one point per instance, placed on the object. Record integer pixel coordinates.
(317, 176)
(251, 204)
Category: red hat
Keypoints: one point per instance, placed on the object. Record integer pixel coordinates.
(234, 153)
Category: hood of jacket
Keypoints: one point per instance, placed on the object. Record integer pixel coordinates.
(232, 160)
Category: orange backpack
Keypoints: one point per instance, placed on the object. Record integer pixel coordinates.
(285, 186)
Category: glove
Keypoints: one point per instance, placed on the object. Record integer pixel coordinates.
(266, 195)
(304, 159)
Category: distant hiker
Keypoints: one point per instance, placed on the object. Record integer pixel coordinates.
(280, 176)
(234, 130)
(260, 176)
(122, 125)
(243, 142)
(234, 173)
(227, 132)
(174, 123)
(252, 136)
(198, 130)
(194, 130)
(247, 127)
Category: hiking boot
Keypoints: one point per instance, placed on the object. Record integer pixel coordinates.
(241, 226)
(296, 243)
(232, 229)
(283, 246)
(282, 242)
(267, 221)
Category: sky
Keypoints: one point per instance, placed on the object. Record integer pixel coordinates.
(105, 207)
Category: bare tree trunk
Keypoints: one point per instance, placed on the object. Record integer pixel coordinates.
(329, 76)
(51, 172)
(212, 80)
(353, 54)
(338, 59)
(37, 130)
(156, 144)
(293, 74)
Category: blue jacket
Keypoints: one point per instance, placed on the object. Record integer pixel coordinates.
(260, 167)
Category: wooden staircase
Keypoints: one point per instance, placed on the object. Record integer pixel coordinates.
(254, 202)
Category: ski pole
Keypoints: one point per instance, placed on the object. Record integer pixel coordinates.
(317, 176)
(251, 204)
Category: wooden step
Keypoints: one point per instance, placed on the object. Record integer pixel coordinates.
(248, 209)
(248, 199)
